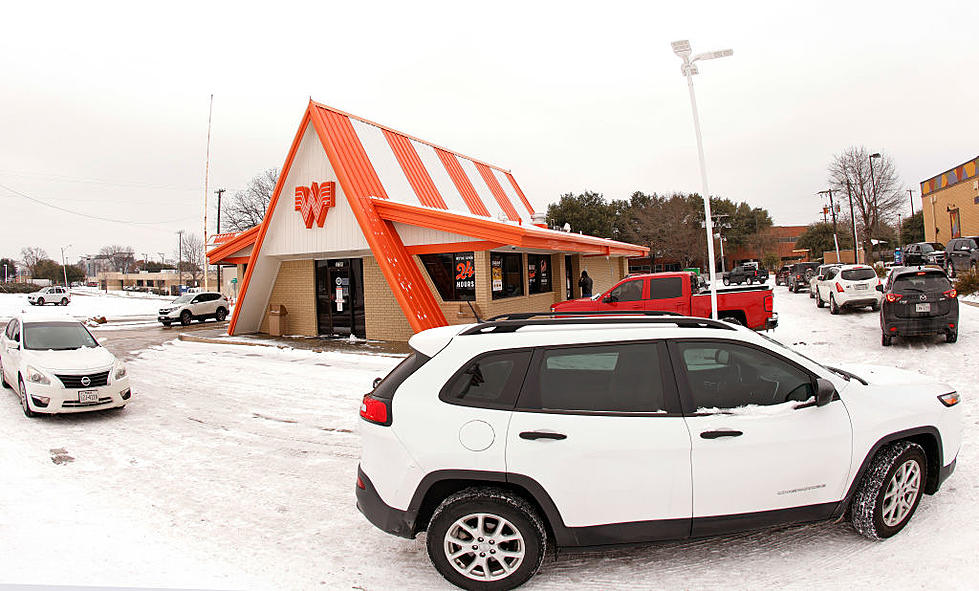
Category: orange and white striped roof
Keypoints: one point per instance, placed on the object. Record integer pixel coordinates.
(416, 172)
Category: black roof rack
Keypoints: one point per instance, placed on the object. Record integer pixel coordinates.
(513, 322)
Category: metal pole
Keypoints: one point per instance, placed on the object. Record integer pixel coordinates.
(853, 219)
(911, 199)
(219, 192)
(64, 269)
(180, 259)
(873, 189)
(708, 222)
(836, 242)
(207, 163)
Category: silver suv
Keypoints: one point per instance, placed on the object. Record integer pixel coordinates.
(195, 306)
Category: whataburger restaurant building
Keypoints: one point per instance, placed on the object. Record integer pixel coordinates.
(377, 234)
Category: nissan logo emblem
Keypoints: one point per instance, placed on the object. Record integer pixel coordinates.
(86, 381)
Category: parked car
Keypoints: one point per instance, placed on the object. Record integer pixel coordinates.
(55, 365)
(741, 274)
(197, 306)
(57, 295)
(800, 274)
(849, 286)
(782, 276)
(962, 254)
(680, 293)
(918, 302)
(924, 253)
(762, 276)
(819, 276)
(503, 437)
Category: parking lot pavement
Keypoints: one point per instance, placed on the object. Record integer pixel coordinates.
(124, 342)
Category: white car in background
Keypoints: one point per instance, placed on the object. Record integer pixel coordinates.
(197, 306)
(849, 286)
(55, 294)
(820, 273)
(55, 365)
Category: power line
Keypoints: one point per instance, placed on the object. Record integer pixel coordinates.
(88, 215)
(95, 181)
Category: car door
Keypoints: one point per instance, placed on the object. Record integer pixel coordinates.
(666, 295)
(759, 442)
(598, 427)
(11, 351)
(626, 296)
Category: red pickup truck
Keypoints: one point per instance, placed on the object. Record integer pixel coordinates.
(681, 293)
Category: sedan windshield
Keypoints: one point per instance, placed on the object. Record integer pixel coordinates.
(57, 336)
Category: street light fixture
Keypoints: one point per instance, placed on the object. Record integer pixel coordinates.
(683, 50)
(64, 268)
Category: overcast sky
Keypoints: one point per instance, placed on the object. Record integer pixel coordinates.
(103, 107)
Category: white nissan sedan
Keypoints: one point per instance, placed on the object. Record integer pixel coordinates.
(55, 365)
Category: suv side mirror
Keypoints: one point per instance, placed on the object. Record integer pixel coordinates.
(825, 391)
(880, 287)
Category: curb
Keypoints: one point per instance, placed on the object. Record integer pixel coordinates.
(196, 339)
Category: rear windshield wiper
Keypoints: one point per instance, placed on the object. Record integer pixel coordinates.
(847, 375)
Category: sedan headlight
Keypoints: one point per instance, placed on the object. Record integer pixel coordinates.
(36, 376)
(119, 371)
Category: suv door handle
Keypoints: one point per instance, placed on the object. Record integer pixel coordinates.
(720, 433)
(532, 435)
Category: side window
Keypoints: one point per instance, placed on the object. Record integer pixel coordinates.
(16, 336)
(9, 331)
(196, 300)
(623, 377)
(492, 380)
(724, 375)
(665, 288)
(630, 291)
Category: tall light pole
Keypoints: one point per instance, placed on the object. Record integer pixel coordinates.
(64, 268)
(180, 259)
(836, 240)
(911, 200)
(683, 51)
(218, 231)
(873, 189)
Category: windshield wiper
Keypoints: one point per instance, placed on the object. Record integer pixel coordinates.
(847, 375)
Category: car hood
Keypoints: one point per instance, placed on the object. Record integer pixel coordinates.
(882, 375)
(84, 359)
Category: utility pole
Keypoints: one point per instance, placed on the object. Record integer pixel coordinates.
(911, 199)
(219, 192)
(836, 241)
(207, 164)
(873, 189)
(853, 219)
(64, 269)
(180, 259)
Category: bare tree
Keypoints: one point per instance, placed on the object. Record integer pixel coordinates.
(248, 205)
(877, 193)
(30, 256)
(190, 257)
(121, 258)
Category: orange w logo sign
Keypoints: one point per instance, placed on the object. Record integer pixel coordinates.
(314, 201)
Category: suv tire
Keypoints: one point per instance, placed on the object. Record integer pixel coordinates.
(833, 307)
(221, 314)
(819, 300)
(64, 301)
(491, 511)
(951, 336)
(890, 490)
(40, 301)
(185, 317)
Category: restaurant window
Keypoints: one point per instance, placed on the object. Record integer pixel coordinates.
(539, 273)
(507, 274)
(454, 274)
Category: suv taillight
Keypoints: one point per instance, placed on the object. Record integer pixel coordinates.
(950, 293)
(375, 410)
(893, 297)
(839, 288)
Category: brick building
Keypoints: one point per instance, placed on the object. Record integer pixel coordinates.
(777, 239)
(950, 203)
(377, 234)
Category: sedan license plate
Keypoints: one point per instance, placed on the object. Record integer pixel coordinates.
(922, 307)
(88, 396)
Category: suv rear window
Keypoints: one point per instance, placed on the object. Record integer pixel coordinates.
(858, 274)
(385, 390)
(922, 281)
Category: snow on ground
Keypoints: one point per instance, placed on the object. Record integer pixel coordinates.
(114, 306)
(234, 467)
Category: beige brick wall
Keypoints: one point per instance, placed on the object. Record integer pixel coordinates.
(295, 288)
(961, 196)
(382, 314)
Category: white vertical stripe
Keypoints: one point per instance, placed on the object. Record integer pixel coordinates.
(482, 189)
(522, 210)
(443, 182)
(385, 163)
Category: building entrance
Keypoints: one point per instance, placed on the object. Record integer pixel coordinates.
(340, 297)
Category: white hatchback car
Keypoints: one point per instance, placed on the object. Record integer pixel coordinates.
(55, 365)
(502, 438)
(55, 294)
(849, 286)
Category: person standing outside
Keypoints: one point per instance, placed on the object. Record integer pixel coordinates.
(585, 284)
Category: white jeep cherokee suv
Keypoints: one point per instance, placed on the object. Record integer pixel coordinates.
(195, 306)
(505, 437)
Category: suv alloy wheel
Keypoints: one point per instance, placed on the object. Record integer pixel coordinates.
(486, 538)
(890, 490)
(185, 317)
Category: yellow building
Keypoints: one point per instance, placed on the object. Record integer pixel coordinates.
(950, 203)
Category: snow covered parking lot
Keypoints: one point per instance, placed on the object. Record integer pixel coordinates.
(234, 467)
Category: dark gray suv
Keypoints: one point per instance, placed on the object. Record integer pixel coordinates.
(962, 254)
(918, 301)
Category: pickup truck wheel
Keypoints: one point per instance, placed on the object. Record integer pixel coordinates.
(486, 538)
(833, 307)
(185, 318)
(890, 490)
(726, 281)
